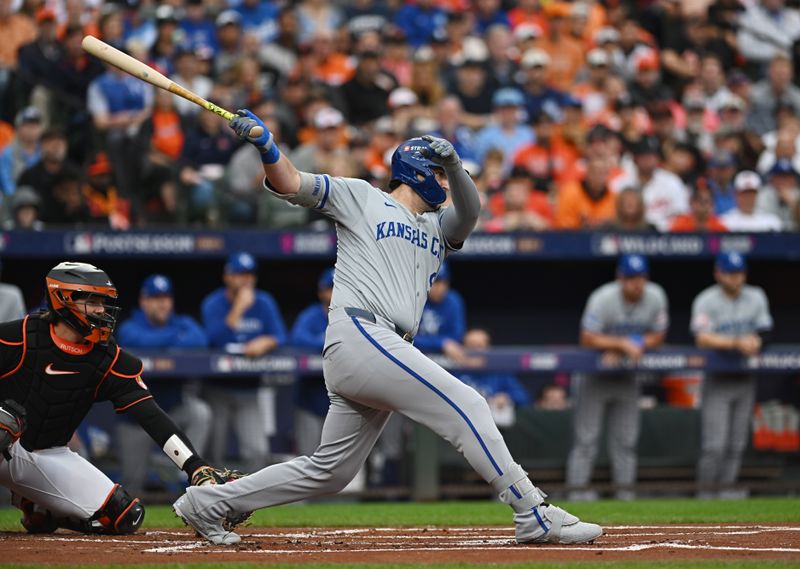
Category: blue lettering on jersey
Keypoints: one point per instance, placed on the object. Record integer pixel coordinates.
(404, 231)
(435, 246)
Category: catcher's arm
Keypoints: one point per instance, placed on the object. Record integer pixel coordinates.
(163, 430)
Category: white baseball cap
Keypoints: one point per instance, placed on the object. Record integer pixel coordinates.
(535, 57)
(328, 117)
(402, 97)
(747, 180)
(597, 57)
(527, 31)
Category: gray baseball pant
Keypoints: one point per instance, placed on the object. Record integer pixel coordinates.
(726, 413)
(370, 372)
(614, 396)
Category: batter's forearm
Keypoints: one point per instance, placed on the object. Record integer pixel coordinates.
(167, 435)
(282, 176)
(459, 221)
(716, 341)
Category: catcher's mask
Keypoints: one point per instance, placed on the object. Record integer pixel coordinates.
(75, 291)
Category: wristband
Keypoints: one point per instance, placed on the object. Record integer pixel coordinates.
(271, 155)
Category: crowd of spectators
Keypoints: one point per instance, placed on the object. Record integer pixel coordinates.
(653, 115)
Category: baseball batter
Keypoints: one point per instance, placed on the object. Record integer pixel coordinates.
(390, 248)
(53, 367)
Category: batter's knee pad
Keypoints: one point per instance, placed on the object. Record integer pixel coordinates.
(120, 514)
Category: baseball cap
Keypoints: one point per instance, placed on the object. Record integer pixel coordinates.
(783, 166)
(156, 285)
(632, 265)
(385, 125)
(535, 57)
(328, 117)
(694, 102)
(240, 263)
(402, 97)
(731, 262)
(326, 279)
(646, 60)
(733, 102)
(527, 31)
(606, 35)
(228, 17)
(599, 132)
(25, 196)
(747, 180)
(28, 115)
(165, 13)
(45, 14)
(100, 165)
(597, 57)
(646, 145)
(508, 97)
(722, 159)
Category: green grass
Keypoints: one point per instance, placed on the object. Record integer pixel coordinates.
(373, 514)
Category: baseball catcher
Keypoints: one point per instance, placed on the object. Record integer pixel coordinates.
(53, 367)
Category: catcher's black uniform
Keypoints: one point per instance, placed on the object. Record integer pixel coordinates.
(57, 382)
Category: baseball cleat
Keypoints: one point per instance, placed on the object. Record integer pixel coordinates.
(212, 530)
(550, 524)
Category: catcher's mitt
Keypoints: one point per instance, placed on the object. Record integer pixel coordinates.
(209, 475)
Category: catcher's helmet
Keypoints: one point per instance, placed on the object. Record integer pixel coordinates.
(70, 286)
(411, 166)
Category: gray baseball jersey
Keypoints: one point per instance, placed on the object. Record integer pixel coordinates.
(715, 311)
(607, 312)
(385, 252)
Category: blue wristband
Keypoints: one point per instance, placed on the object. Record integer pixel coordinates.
(272, 155)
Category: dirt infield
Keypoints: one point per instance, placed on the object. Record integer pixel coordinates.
(408, 545)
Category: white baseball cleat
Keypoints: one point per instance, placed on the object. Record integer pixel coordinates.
(212, 530)
(550, 524)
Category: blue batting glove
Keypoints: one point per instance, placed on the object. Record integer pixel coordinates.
(243, 123)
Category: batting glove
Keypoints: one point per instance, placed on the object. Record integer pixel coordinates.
(243, 123)
(443, 153)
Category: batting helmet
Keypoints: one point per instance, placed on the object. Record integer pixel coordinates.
(70, 287)
(411, 166)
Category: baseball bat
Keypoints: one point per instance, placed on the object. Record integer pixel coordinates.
(132, 66)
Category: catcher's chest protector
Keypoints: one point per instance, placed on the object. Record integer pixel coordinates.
(57, 389)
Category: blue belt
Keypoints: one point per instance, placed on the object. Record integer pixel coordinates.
(370, 317)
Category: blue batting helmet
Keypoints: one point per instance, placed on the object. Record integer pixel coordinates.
(411, 166)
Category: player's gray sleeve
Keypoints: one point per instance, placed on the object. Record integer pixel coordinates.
(594, 315)
(764, 318)
(661, 321)
(701, 320)
(342, 199)
(459, 220)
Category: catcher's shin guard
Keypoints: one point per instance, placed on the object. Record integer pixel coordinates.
(119, 514)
